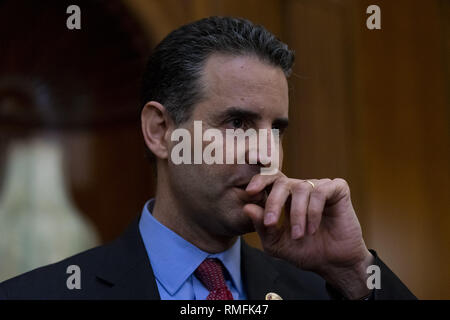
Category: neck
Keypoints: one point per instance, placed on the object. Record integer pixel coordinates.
(175, 216)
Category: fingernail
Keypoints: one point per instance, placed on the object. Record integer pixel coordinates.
(311, 230)
(296, 232)
(269, 218)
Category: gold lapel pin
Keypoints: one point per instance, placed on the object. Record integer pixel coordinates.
(273, 296)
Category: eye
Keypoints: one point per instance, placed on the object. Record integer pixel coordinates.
(237, 123)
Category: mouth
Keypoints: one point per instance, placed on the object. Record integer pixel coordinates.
(242, 186)
(259, 198)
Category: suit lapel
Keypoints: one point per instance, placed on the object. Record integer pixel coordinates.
(258, 273)
(127, 269)
(263, 274)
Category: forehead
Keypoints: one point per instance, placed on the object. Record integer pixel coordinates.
(244, 81)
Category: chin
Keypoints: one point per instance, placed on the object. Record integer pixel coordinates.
(239, 223)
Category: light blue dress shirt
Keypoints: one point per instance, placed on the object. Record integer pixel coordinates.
(174, 261)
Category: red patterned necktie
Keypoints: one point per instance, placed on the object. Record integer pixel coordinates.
(210, 273)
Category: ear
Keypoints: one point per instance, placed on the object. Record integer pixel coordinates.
(156, 123)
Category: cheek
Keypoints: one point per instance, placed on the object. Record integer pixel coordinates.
(209, 178)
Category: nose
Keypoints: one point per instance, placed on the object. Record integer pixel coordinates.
(266, 150)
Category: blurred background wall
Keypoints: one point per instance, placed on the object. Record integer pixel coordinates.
(369, 106)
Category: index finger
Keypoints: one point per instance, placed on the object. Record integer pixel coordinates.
(259, 182)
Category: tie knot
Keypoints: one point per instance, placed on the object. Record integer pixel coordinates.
(210, 273)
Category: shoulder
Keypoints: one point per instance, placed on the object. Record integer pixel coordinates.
(50, 282)
(118, 270)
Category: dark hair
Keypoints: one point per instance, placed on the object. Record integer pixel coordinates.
(176, 64)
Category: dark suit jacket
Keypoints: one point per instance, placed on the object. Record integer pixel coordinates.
(122, 270)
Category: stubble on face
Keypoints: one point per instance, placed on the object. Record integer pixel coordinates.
(212, 197)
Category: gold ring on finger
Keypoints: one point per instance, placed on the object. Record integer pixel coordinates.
(311, 183)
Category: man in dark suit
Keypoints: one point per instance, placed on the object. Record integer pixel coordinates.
(225, 74)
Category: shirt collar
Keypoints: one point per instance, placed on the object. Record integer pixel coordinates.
(174, 259)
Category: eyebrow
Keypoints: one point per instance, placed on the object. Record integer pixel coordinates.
(281, 123)
(239, 112)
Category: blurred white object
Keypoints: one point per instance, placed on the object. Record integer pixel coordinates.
(38, 222)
